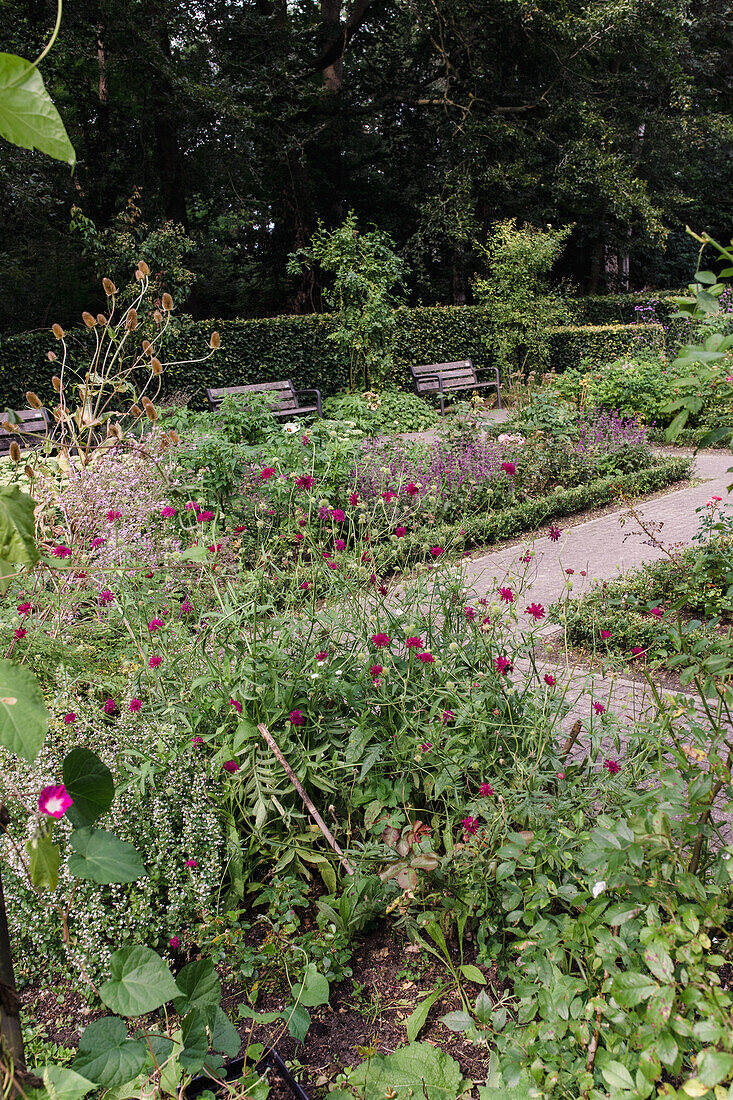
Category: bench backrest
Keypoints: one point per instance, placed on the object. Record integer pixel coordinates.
(30, 420)
(452, 375)
(283, 394)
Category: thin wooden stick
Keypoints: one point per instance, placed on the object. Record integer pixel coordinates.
(301, 791)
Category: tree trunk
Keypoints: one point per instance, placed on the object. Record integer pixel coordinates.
(165, 128)
(330, 152)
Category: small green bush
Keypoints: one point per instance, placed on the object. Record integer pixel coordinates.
(374, 413)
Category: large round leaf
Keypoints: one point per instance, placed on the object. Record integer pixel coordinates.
(107, 1056)
(102, 857)
(23, 714)
(89, 782)
(28, 117)
(199, 983)
(140, 982)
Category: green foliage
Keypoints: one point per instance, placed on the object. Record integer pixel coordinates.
(574, 346)
(517, 294)
(415, 1070)
(388, 411)
(28, 117)
(630, 386)
(17, 533)
(366, 270)
(23, 714)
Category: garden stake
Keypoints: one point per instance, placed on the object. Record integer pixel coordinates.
(311, 808)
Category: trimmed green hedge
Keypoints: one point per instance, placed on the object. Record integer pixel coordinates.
(268, 349)
(622, 309)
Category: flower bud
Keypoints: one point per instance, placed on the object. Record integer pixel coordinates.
(88, 319)
(167, 302)
(109, 287)
(157, 317)
(57, 331)
(56, 382)
(156, 366)
(51, 356)
(215, 340)
(131, 319)
(14, 452)
(33, 400)
(143, 267)
(101, 319)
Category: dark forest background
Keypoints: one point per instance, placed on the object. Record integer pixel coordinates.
(213, 135)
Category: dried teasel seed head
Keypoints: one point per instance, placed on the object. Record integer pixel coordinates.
(14, 452)
(109, 287)
(114, 430)
(138, 275)
(143, 267)
(8, 426)
(147, 347)
(150, 411)
(101, 319)
(88, 319)
(131, 319)
(174, 436)
(136, 411)
(215, 340)
(57, 331)
(167, 302)
(56, 382)
(156, 366)
(33, 400)
(51, 356)
(30, 473)
(158, 317)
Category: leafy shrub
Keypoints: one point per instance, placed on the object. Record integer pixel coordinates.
(389, 411)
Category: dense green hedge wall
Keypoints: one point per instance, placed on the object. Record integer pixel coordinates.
(621, 309)
(599, 343)
(269, 349)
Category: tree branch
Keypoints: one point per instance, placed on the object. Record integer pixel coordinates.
(335, 49)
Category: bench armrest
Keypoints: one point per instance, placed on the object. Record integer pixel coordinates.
(317, 394)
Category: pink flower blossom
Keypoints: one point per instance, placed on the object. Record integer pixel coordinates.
(24, 608)
(470, 613)
(204, 517)
(353, 499)
(509, 468)
(304, 586)
(136, 705)
(322, 656)
(167, 512)
(231, 766)
(657, 612)
(112, 515)
(96, 543)
(503, 665)
(54, 801)
(155, 662)
(570, 572)
(305, 482)
(612, 766)
(426, 658)
(340, 544)
(536, 610)
(554, 534)
(381, 641)
(436, 551)
(237, 706)
(105, 597)
(174, 942)
(560, 775)
(485, 790)
(427, 746)
(414, 643)
(155, 624)
(637, 650)
(506, 595)
(550, 679)
(186, 608)
(389, 495)
(267, 473)
(61, 551)
(446, 716)
(400, 532)
(20, 633)
(110, 706)
(411, 489)
(599, 708)
(191, 506)
(337, 514)
(70, 718)
(605, 633)
(239, 528)
(215, 548)
(375, 670)
(296, 718)
(191, 863)
(470, 825)
(197, 741)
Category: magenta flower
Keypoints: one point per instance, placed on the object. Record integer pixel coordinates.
(426, 658)
(155, 624)
(657, 612)
(237, 706)
(389, 495)
(70, 718)
(612, 766)
(338, 515)
(381, 641)
(186, 608)
(24, 608)
(414, 643)
(231, 766)
(400, 532)
(353, 499)
(446, 716)
(322, 656)
(155, 662)
(411, 489)
(506, 595)
(215, 548)
(20, 633)
(340, 544)
(96, 543)
(550, 679)
(560, 775)
(204, 517)
(470, 613)
(536, 610)
(470, 825)
(605, 633)
(599, 708)
(112, 515)
(167, 512)
(136, 705)
(637, 650)
(109, 707)
(54, 801)
(191, 863)
(174, 942)
(427, 746)
(509, 468)
(267, 473)
(305, 482)
(436, 551)
(296, 718)
(376, 670)
(191, 506)
(239, 528)
(61, 551)
(554, 534)
(305, 586)
(197, 740)
(503, 665)
(105, 597)
(485, 790)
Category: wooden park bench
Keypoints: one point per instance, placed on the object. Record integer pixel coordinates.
(443, 378)
(287, 401)
(31, 429)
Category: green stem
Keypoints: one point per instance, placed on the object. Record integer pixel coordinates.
(48, 46)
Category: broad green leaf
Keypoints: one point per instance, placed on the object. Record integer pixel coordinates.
(199, 985)
(483, 1007)
(23, 714)
(107, 1056)
(298, 1020)
(616, 1076)
(659, 1007)
(140, 982)
(416, 1020)
(195, 1040)
(313, 990)
(101, 857)
(417, 1070)
(224, 1035)
(89, 782)
(17, 525)
(28, 117)
(631, 989)
(473, 974)
(63, 1083)
(457, 1021)
(44, 858)
(659, 962)
(713, 1066)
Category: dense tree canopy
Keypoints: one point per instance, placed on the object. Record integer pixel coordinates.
(246, 122)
